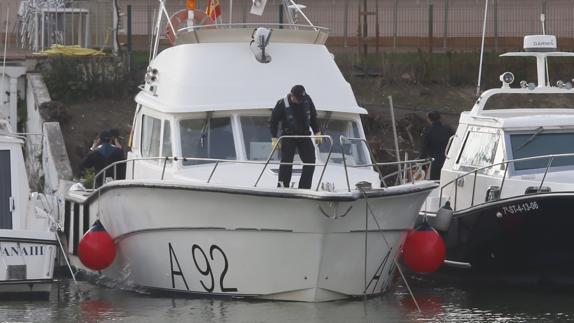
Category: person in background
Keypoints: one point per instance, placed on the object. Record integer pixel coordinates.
(434, 140)
(103, 155)
(115, 141)
(115, 134)
(296, 113)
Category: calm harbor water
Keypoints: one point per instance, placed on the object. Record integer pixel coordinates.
(439, 301)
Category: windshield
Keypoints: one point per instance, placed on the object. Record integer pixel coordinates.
(257, 137)
(354, 151)
(207, 138)
(540, 145)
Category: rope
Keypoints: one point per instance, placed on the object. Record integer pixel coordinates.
(369, 210)
(53, 222)
(65, 257)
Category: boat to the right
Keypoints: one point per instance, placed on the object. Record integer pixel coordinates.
(506, 197)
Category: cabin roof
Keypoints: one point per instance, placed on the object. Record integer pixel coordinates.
(226, 76)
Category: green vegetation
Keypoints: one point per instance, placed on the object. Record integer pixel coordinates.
(88, 179)
(72, 79)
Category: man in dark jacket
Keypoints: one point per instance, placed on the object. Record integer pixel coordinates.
(296, 113)
(434, 140)
(103, 155)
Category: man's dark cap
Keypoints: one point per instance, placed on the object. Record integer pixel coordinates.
(105, 135)
(434, 116)
(114, 133)
(298, 91)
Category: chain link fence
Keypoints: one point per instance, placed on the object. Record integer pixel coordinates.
(434, 25)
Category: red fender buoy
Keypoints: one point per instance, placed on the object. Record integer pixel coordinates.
(97, 249)
(424, 249)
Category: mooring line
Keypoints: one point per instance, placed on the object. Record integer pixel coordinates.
(369, 210)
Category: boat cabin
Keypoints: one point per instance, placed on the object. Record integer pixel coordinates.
(14, 191)
(515, 140)
(217, 102)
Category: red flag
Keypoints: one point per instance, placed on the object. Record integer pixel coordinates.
(213, 9)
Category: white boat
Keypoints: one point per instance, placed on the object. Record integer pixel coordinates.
(215, 222)
(27, 235)
(509, 176)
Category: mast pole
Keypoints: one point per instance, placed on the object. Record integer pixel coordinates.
(482, 48)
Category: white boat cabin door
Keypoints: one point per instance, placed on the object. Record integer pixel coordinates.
(481, 147)
(6, 201)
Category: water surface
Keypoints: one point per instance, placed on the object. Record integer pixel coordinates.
(440, 301)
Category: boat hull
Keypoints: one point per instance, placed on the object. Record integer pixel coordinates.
(522, 239)
(27, 263)
(244, 245)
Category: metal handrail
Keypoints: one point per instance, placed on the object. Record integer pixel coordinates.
(298, 137)
(505, 163)
(342, 139)
(253, 25)
(217, 162)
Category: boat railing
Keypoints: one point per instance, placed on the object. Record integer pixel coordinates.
(111, 171)
(282, 138)
(505, 165)
(253, 25)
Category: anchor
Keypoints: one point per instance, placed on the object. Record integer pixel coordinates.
(334, 207)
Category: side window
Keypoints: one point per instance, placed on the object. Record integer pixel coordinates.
(150, 136)
(166, 147)
(479, 150)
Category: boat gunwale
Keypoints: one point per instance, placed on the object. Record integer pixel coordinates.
(352, 196)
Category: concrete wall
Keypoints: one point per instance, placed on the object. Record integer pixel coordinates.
(11, 82)
(47, 160)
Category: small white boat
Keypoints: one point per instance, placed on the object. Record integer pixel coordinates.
(28, 244)
(508, 179)
(215, 222)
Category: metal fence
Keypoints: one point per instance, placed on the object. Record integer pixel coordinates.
(405, 24)
(35, 27)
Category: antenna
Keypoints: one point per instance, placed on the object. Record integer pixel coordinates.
(298, 8)
(4, 59)
(482, 48)
(542, 21)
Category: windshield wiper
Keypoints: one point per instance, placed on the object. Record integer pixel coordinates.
(205, 129)
(531, 138)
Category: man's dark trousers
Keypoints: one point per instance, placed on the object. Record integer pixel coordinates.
(306, 150)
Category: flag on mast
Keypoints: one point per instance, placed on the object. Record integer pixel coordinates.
(213, 9)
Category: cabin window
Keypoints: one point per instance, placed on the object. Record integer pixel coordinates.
(479, 150)
(207, 138)
(166, 150)
(532, 144)
(354, 151)
(257, 137)
(150, 136)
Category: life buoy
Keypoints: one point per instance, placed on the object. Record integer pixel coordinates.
(179, 20)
